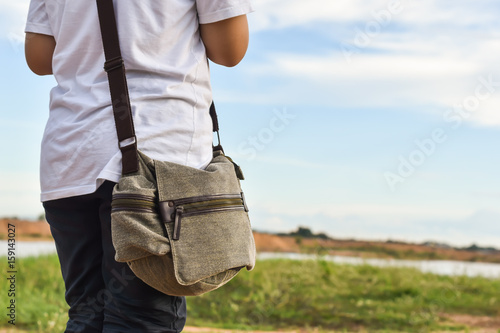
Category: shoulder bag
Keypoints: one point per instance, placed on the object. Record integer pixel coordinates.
(182, 230)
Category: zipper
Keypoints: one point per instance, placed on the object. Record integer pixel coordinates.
(174, 210)
(205, 198)
(133, 202)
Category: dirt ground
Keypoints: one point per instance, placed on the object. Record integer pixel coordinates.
(189, 329)
(26, 230)
(477, 324)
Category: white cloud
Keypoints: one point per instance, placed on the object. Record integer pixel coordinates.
(12, 20)
(433, 55)
(456, 12)
(278, 14)
(394, 212)
(373, 67)
(20, 194)
(488, 114)
(388, 80)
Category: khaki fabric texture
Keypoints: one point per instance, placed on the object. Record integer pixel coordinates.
(213, 245)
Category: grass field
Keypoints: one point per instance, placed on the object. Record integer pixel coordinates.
(281, 294)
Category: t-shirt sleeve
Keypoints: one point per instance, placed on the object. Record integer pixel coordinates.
(38, 20)
(210, 11)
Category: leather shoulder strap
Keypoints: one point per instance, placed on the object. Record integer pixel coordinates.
(122, 111)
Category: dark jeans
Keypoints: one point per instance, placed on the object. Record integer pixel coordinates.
(104, 295)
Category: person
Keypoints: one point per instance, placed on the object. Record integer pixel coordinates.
(165, 46)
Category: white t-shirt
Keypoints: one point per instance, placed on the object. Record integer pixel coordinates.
(168, 80)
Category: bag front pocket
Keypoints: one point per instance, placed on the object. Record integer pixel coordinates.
(137, 230)
(133, 203)
(175, 210)
(208, 235)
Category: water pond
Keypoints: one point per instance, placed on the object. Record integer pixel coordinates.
(441, 267)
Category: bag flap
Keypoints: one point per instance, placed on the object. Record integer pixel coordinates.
(210, 242)
(177, 181)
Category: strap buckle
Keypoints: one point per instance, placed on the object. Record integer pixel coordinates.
(113, 64)
(130, 161)
(127, 142)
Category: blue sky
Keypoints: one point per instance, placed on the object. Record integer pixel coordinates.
(362, 119)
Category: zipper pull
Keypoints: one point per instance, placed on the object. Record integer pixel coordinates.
(244, 202)
(177, 223)
(239, 172)
(237, 169)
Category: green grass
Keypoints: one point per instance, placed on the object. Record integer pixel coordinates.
(282, 294)
(40, 304)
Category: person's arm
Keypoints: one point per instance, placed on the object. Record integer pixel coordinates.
(39, 50)
(226, 41)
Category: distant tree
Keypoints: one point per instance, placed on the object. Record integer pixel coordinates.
(473, 247)
(304, 232)
(41, 217)
(322, 236)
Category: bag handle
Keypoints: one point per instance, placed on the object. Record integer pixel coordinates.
(122, 111)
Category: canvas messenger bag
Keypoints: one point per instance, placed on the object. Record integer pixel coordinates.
(182, 230)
